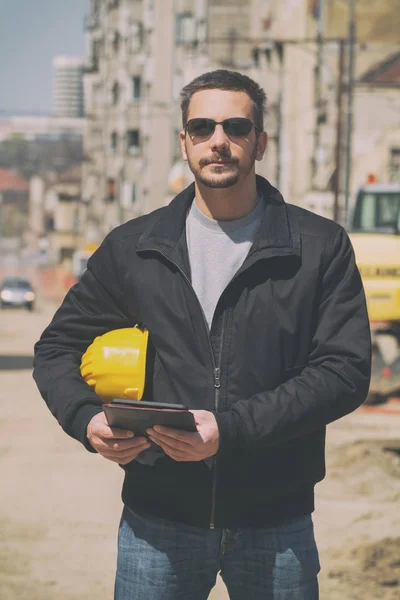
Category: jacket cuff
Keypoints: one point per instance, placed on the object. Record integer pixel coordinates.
(80, 421)
(228, 435)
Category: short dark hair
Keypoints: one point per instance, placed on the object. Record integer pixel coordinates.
(222, 79)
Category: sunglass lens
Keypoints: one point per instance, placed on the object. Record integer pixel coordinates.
(238, 127)
(200, 127)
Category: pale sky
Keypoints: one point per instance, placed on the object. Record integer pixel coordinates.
(31, 33)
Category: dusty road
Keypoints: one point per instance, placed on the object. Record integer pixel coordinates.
(60, 506)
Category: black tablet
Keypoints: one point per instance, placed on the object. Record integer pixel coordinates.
(139, 415)
(146, 404)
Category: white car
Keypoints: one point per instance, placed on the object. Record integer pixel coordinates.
(17, 292)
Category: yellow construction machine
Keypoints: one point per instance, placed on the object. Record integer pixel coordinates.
(374, 228)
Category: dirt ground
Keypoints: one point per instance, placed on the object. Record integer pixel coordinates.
(60, 506)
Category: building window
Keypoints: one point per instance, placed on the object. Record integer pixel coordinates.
(129, 194)
(134, 193)
(66, 253)
(133, 141)
(93, 64)
(116, 38)
(114, 141)
(136, 87)
(112, 4)
(111, 190)
(115, 93)
(394, 167)
(67, 198)
(185, 28)
(49, 223)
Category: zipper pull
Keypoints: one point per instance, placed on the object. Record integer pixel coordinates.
(217, 381)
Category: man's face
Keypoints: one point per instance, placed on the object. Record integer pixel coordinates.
(220, 160)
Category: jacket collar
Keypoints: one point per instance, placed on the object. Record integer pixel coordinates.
(278, 234)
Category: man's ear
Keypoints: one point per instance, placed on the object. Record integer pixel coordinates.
(262, 142)
(182, 136)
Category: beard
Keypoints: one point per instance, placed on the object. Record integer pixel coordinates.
(225, 181)
(219, 178)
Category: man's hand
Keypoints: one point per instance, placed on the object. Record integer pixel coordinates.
(187, 446)
(118, 445)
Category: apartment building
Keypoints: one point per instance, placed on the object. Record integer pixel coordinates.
(57, 214)
(140, 54)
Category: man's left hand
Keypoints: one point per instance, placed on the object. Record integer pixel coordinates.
(187, 446)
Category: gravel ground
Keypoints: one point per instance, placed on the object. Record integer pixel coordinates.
(60, 506)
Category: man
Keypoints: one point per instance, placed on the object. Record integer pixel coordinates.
(257, 316)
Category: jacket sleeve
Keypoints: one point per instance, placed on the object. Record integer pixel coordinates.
(91, 307)
(336, 378)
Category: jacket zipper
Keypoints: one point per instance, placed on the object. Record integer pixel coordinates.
(216, 372)
(217, 386)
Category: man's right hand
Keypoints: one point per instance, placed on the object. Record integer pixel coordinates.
(117, 445)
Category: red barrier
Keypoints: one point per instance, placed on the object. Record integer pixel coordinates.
(54, 282)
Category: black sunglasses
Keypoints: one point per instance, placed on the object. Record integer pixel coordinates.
(236, 127)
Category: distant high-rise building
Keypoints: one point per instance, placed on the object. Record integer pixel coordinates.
(68, 95)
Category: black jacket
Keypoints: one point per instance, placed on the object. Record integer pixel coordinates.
(288, 352)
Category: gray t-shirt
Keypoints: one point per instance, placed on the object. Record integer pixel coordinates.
(217, 249)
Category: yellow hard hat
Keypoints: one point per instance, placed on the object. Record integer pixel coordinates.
(114, 365)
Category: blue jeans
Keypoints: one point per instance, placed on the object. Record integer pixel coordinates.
(161, 560)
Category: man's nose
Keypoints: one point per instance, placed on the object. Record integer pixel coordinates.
(219, 139)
